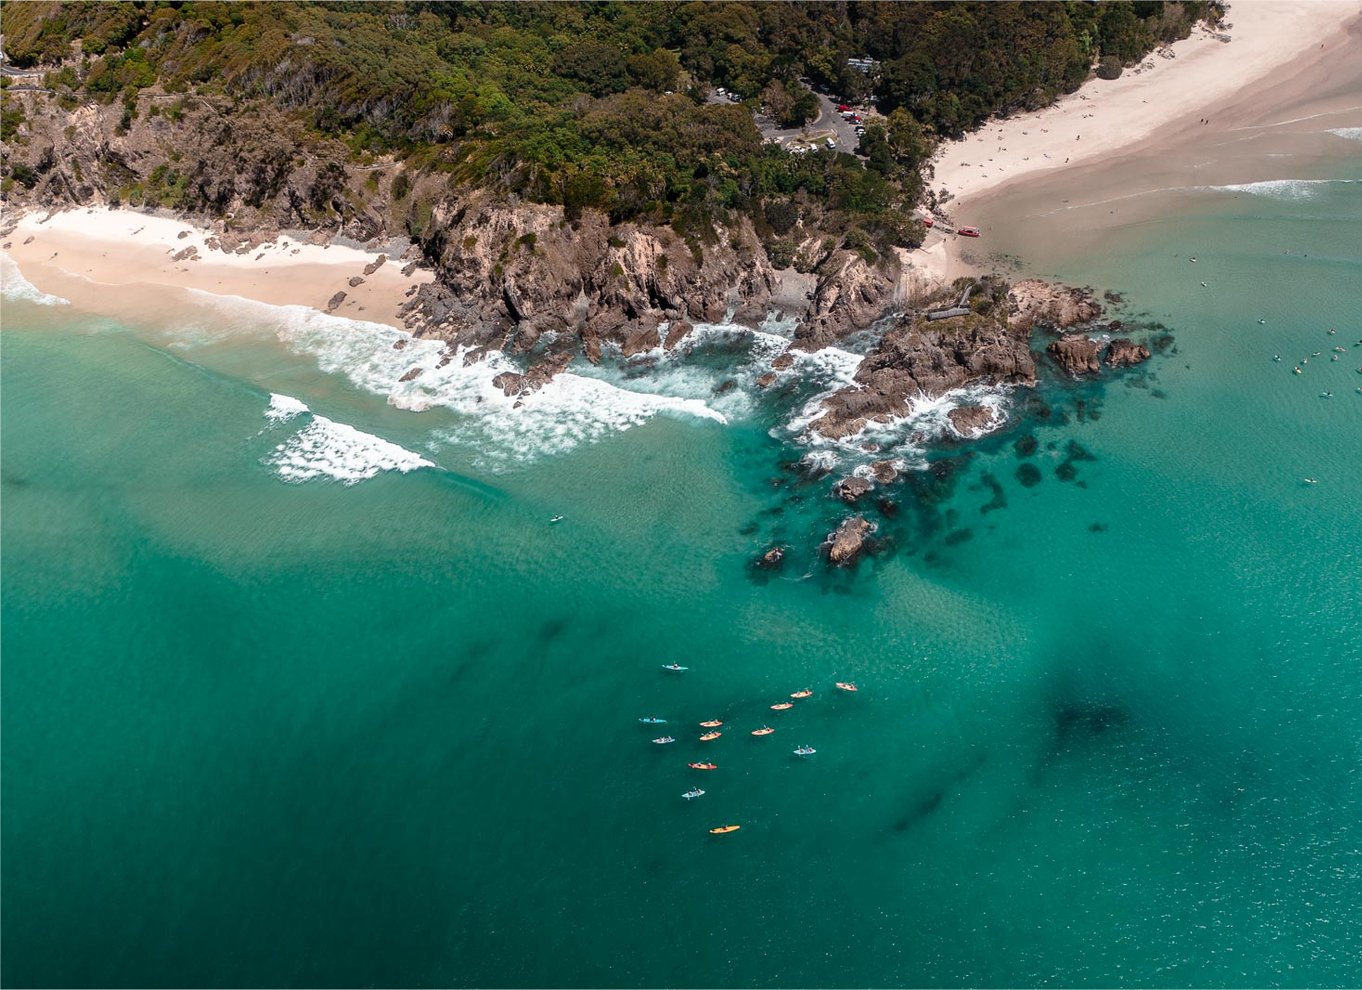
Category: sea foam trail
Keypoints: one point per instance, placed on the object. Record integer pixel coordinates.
(570, 410)
(1287, 189)
(327, 449)
(14, 286)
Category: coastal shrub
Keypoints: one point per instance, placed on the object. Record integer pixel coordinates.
(527, 241)
(401, 186)
(781, 253)
(1109, 68)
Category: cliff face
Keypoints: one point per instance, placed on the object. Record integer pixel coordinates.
(511, 274)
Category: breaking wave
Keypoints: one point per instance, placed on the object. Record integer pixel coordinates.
(14, 286)
(327, 449)
(1351, 133)
(1285, 189)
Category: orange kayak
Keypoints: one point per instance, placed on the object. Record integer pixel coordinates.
(843, 686)
(710, 735)
(703, 766)
(806, 693)
(722, 829)
(765, 730)
(782, 706)
(713, 723)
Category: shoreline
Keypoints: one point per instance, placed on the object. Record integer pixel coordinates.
(82, 254)
(1145, 113)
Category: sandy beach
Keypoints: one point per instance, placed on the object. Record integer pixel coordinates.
(1273, 59)
(83, 254)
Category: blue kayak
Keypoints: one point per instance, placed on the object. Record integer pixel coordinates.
(653, 720)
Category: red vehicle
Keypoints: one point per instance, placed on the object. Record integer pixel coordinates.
(968, 231)
(842, 108)
(928, 222)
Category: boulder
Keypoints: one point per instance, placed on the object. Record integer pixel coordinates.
(1075, 353)
(335, 301)
(847, 542)
(850, 489)
(972, 421)
(1123, 352)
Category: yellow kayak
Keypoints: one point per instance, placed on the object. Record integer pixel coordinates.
(806, 693)
(710, 735)
(722, 829)
(783, 706)
(765, 730)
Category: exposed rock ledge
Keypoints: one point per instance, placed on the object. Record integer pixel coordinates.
(919, 358)
(1050, 304)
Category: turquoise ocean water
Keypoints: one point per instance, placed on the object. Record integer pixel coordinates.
(1108, 728)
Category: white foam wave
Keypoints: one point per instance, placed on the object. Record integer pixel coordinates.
(902, 439)
(1351, 133)
(283, 407)
(14, 286)
(327, 449)
(570, 410)
(1286, 189)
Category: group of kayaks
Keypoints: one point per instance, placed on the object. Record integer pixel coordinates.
(712, 726)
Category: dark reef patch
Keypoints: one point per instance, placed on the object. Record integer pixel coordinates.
(1028, 475)
(1026, 446)
(999, 500)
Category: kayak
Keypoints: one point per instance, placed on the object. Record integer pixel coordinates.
(713, 723)
(765, 730)
(710, 735)
(783, 706)
(844, 686)
(722, 829)
(693, 793)
(675, 667)
(703, 766)
(653, 720)
(805, 751)
(806, 693)
(663, 740)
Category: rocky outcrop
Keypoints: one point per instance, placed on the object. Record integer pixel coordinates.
(851, 489)
(850, 294)
(1123, 352)
(518, 385)
(772, 559)
(847, 542)
(972, 422)
(1075, 353)
(1050, 304)
(918, 358)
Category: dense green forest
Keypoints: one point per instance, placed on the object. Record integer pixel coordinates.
(603, 105)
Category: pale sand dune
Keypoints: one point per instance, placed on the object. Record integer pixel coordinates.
(79, 253)
(1106, 117)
